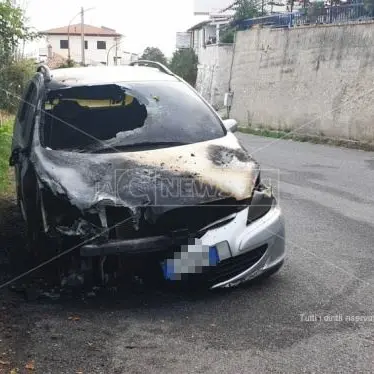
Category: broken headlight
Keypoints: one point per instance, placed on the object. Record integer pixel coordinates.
(261, 203)
(59, 209)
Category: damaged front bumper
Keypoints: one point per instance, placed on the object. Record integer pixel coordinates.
(253, 249)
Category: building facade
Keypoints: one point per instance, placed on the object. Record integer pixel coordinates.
(102, 45)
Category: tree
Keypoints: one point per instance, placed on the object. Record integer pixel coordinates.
(245, 9)
(13, 30)
(13, 74)
(154, 54)
(290, 5)
(184, 63)
(315, 10)
(227, 35)
(369, 6)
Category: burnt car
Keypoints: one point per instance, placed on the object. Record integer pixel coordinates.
(130, 165)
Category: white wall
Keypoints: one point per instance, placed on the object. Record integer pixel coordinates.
(92, 54)
(214, 72)
(128, 57)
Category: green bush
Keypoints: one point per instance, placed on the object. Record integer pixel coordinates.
(227, 36)
(369, 6)
(6, 130)
(184, 63)
(13, 80)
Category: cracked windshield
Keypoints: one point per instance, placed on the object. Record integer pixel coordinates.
(176, 186)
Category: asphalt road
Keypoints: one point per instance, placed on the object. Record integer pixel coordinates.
(327, 196)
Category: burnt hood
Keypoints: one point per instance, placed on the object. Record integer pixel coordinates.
(164, 178)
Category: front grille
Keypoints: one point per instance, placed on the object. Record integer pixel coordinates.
(194, 218)
(185, 218)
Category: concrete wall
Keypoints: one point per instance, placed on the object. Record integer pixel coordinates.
(214, 72)
(319, 80)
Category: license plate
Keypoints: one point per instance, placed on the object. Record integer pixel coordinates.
(191, 260)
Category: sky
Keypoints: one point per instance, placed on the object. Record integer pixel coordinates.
(142, 22)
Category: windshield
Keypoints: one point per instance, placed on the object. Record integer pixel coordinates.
(89, 118)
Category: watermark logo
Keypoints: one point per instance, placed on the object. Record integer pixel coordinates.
(338, 317)
(154, 187)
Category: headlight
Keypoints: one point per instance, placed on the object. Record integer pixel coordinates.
(59, 209)
(261, 203)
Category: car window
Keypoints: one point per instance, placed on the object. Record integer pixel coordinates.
(132, 113)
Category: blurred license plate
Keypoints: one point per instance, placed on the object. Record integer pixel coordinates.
(190, 261)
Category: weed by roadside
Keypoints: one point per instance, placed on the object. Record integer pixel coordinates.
(6, 130)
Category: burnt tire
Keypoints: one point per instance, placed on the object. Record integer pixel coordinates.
(40, 247)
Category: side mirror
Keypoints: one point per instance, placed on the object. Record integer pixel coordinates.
(231, 125)
(15, 156)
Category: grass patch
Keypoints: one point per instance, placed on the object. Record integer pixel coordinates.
(317, 139)
(6, 132)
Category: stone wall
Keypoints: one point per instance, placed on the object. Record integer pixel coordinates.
(318, 80)
(214, 72)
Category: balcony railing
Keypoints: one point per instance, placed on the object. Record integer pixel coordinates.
(313, 15)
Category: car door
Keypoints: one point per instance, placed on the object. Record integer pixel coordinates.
(18, 142)
(22, 143)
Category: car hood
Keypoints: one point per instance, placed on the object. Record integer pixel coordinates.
(168, 177)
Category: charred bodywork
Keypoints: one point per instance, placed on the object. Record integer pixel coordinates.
(108, 168)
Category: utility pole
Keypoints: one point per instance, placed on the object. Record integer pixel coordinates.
(116, 59)
(117, 43)
(82, 37)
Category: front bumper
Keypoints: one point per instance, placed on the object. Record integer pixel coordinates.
(255, 248)
(265, 238)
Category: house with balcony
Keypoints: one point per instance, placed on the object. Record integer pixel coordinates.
(208, 32)
(102, 45)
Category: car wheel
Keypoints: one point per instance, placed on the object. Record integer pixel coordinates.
(39, 244)
(20, 203)
(37, 239)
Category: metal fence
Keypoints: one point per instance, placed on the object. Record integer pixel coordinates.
(312, 15)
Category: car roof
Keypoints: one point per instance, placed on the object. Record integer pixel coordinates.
(107, 74)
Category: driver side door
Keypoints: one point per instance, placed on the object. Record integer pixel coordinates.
(22, 143)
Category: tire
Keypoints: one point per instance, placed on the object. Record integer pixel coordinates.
(40, 246)
(37, 240)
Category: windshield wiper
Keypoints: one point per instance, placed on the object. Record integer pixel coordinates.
(120, 147)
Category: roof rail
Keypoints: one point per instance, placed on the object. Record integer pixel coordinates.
(44, 69)
(152, 64)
